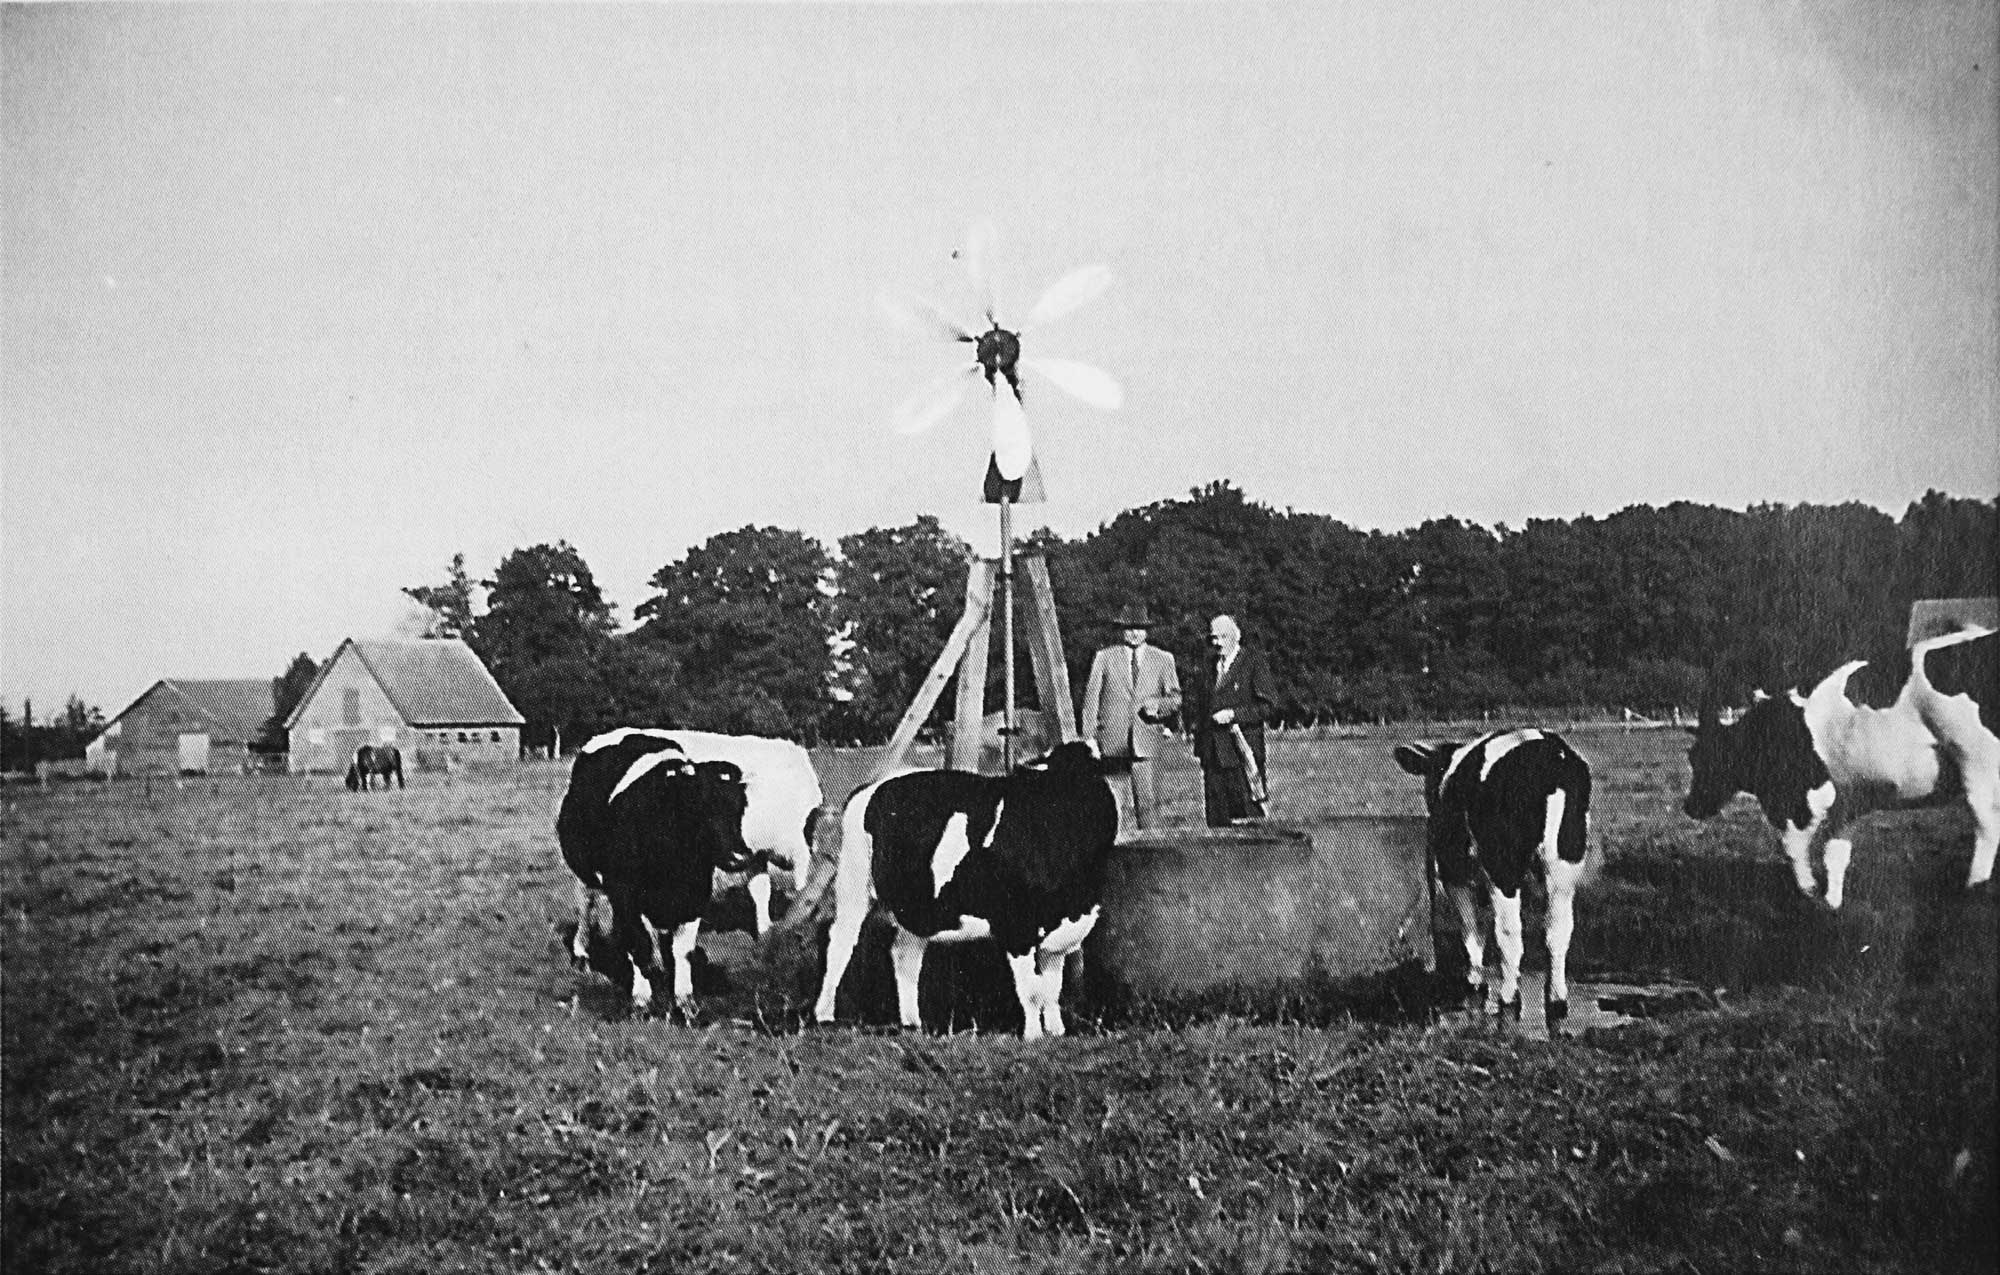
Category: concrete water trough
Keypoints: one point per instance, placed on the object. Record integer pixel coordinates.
(1259, 912)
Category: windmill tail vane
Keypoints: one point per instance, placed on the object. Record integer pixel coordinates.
(998, 357)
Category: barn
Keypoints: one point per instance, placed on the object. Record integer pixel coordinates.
(432, 698)
(185, 726)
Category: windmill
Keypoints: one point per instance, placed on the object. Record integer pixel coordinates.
(997, 357)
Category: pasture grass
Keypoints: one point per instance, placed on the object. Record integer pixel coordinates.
(266, 1024)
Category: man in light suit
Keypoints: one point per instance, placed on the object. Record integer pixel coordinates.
(1133, 690)
(1233, 699)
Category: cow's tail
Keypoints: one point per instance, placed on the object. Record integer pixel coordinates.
(1573, 837)
(1919, 676)
(854, 872)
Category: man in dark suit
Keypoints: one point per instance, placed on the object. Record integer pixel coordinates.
(1233, 698)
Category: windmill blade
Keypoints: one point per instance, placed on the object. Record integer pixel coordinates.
(1077, 288)
(978, 257)
(921, 318)
(1012, 449)
(1081, 381)
(934, 401)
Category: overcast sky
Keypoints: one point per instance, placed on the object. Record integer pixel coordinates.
(301, 300)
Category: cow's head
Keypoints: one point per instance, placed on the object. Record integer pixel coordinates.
(1076, 758)
(719, 799)
(1712, 765)
(1448, 831)
(1767, 752)
(1427, 762)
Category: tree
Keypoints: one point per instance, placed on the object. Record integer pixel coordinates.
(287, 689)
(898, 594)
(544, 631)
(450, 603)
(745, 619)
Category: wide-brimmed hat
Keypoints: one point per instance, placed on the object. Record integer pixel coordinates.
(1133, 616)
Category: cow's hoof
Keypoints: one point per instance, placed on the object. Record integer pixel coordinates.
(686, 1013)
(1556, 1012)
(1510, 1011)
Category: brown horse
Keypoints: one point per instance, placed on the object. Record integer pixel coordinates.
(371, 760)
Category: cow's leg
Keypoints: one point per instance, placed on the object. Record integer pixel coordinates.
(1799, 840)
(1561, 877)
(644, 948)
(1507, 937)
(579, 943)
(1839, 849)
(852, 895)
(1981, 777)
(683, 950)
(1473, 932)
(906, 954)
(1054, 952)
(758, 887)
(1028, 990)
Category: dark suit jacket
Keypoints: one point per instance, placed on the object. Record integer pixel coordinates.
(1248, 689)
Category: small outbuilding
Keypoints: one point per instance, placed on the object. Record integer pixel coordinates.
(433, 698)
(186, 726)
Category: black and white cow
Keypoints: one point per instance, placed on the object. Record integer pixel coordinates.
(954, 856)
(778, 775)
(1506, 805)
(784, 810)
(584, 823)
(650, 850)
(1816, 762)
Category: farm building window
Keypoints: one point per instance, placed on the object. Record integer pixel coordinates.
(493, 736)
(463, 738)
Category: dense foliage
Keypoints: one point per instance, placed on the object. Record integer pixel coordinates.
(26, 741)
(762, 629)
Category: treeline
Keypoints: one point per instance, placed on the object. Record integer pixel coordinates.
(765, 630)
(26, 741)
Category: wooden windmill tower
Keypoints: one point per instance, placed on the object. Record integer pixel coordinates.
(1012, 477)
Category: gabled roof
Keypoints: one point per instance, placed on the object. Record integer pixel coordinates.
(431, 682)
(238, 706)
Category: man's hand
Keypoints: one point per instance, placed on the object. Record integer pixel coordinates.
(1224, 716)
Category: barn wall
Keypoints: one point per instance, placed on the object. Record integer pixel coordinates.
(145, 740)
(323, 738)
(453, 746)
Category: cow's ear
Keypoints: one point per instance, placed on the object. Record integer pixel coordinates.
(1414, 758)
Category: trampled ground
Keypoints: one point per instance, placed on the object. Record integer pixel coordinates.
(270, 1025)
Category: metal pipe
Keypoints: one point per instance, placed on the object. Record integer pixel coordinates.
(1007, 630)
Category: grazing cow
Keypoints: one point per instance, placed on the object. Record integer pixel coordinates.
(784, 806)
(652, 850)
(954, 856)
(584, 824)
(1500, 807)
(1815, 763)
(371, 761)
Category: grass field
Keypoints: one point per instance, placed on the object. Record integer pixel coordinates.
(271, 1025)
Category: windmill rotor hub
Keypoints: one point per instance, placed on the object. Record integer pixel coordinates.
(998, 351)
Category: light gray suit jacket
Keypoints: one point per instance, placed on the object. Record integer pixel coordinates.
(1113, 703)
